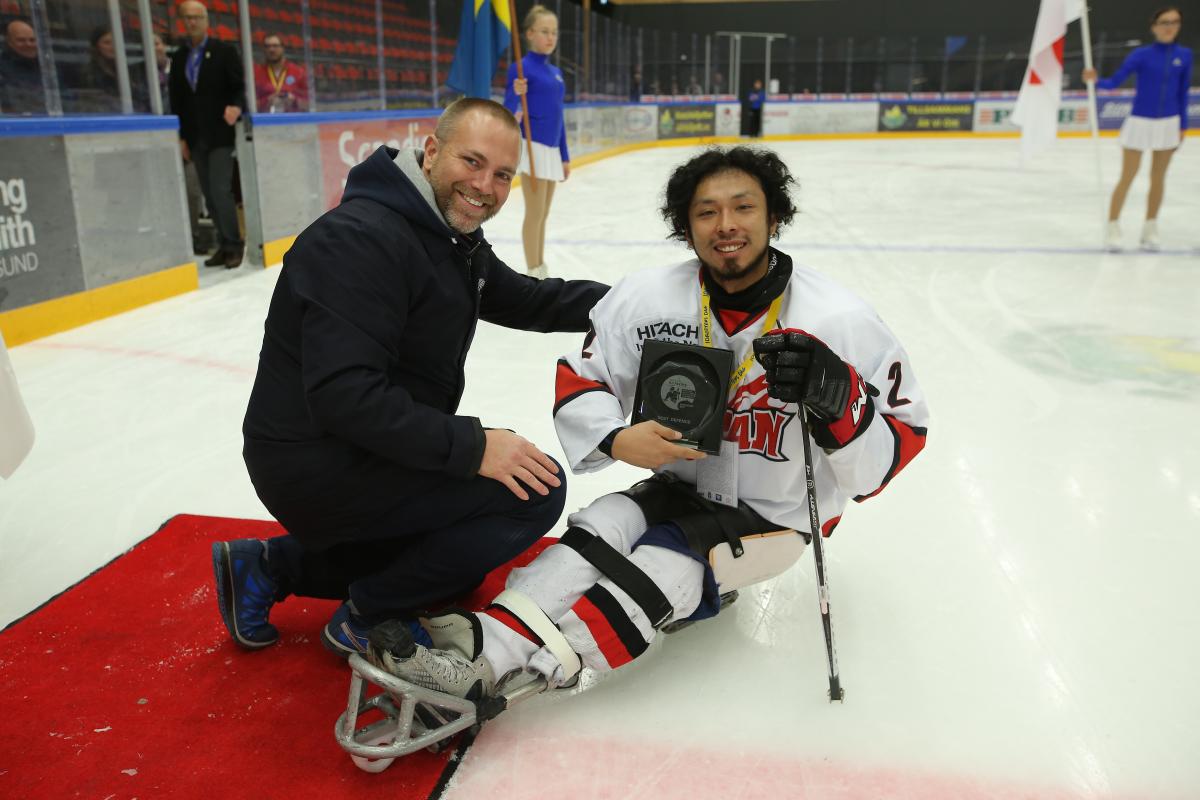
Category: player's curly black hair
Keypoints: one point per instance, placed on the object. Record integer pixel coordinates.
(770, 171)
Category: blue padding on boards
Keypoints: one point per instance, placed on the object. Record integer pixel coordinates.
(65, 126)
(312, 118)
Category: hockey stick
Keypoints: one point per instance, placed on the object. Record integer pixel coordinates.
(814, 523)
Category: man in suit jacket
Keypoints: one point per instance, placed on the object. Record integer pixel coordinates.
(208, 96)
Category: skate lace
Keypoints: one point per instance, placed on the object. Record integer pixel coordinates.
(449, 667)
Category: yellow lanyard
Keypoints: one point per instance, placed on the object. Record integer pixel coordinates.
(277, 81)
(706, 332)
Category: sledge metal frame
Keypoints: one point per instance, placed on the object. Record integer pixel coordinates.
(375, 745)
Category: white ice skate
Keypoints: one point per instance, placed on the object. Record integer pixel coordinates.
(1112, 237)
(541, 272)
(429, 694)
(1150, 236)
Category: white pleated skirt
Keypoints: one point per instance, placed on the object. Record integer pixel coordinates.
(1145, 133)
(547, 162)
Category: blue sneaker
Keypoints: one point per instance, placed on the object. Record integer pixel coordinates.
(245, 593)
(346, 633)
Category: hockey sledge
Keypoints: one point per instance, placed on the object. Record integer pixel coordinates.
(407, 718)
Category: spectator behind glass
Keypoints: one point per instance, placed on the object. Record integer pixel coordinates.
(279, 84)
(100, 91)
(164, 71)
(753, 110)
(20, 74)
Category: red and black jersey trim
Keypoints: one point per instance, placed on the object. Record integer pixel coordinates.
(909, 441)
(734, 321)
(568, 385)
(615, 633)
(511, 620)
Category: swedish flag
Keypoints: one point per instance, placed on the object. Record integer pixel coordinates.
(483, 37)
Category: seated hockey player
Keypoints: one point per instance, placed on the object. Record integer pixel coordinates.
(634, 561)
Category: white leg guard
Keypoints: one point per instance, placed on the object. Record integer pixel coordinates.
(505, 644)
(608, 629)
(556, 579)
(504, 648)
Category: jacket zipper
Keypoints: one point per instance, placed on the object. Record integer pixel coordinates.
(1162, 91)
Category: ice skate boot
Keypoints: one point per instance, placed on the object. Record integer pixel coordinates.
(454, 665)
(540, 272)
(1112, 237)
(1150, 236)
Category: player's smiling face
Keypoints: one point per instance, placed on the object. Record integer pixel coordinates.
(730, 229)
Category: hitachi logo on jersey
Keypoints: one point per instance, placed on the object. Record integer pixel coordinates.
(677, 331)
(759, 431)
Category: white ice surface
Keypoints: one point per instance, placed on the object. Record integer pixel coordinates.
(1018, 615)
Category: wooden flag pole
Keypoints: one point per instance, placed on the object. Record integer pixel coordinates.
(516, 50)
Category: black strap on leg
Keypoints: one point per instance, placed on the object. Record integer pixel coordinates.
(621, 571)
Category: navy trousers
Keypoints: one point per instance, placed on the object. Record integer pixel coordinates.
(435, 543)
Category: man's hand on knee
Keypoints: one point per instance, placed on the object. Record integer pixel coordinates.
(513, 460)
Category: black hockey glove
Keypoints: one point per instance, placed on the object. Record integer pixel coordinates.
(802, 369)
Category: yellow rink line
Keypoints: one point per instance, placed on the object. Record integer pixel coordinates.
(70, 311)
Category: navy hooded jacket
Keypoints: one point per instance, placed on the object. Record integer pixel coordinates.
(365, 344)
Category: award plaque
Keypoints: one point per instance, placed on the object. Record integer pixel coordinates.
(683, 386)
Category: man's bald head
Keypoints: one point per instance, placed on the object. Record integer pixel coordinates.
(195, 19)
(20, 38)
(456, 112)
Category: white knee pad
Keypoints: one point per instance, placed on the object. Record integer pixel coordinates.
(559, 575)
(614, 518)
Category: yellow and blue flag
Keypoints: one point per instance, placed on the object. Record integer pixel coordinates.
(483, 36)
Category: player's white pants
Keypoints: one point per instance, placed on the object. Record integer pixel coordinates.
(599, 620)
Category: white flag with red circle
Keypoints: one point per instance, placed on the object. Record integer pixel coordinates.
(1036, 113)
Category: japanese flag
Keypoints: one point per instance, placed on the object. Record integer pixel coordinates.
(1036, 112)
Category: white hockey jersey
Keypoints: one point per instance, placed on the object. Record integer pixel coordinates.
(595, 389)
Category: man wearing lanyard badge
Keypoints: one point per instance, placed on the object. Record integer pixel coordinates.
(662, 551)
(279, 84)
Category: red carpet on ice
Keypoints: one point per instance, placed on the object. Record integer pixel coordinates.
(127, 685)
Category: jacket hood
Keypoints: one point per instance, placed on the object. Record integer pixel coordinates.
(386, 177)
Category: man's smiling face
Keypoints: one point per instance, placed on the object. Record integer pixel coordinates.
(472, 172)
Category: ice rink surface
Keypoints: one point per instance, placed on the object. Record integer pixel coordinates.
(1017, 616)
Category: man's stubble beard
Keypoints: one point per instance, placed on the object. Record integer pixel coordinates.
(445, 203)
(719, 272)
